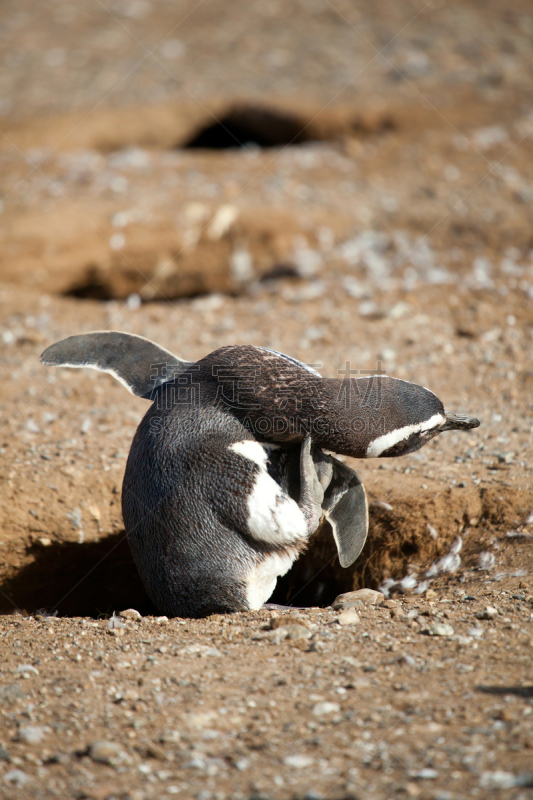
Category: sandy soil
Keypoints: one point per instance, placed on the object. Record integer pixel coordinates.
(391, 222)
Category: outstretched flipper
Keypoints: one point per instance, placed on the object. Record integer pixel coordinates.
(139, 364)
(346, 509)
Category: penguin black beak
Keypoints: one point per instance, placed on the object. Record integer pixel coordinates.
(456, 422)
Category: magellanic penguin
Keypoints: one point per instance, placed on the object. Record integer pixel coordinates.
(226, 478)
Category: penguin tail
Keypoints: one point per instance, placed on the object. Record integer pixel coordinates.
(139, 364)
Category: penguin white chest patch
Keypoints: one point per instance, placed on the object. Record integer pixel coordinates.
(261, 581)
(273, 516)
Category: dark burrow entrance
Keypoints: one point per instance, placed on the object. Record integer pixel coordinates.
(96, 578)
(243, 125)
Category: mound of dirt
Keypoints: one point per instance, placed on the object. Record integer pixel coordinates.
(407, 533)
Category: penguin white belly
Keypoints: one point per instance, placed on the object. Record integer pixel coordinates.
(273, 516)
(261, 581)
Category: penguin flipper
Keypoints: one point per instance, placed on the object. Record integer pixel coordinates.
(139, 364)
(346, 509)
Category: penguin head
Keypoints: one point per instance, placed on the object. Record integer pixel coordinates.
(411, 416)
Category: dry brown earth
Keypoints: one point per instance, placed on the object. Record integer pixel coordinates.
(390, 222)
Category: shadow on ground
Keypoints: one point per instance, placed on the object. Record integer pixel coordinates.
(100, 577)
(77, 580)
(518, 691)
(97, 578)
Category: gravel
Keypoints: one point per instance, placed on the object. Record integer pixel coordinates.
(374, 219)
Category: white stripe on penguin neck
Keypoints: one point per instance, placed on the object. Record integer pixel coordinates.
(387, 440)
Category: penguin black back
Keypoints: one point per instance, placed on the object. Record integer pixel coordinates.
(280, 399)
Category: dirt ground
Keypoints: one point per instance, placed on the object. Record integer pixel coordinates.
(380, 212)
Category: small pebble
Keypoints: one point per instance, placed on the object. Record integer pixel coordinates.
(349, 617)
(298, 762)
(296, 632)
(283, 622)
(291, 632)
(426, 774)
(488, 613)
(133, 302)
(406, 659)
(16, 777)
(106, 752)
(326, 707)
(130, 613)
(27, 670)
(170, 737)
(397, 612)
(368, 597)
(161, 620)
(318, 646)
(440, 629)
(31, 734)
(370, 309)
(154, 751)
(497, 780)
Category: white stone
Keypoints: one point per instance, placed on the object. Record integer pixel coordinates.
(27, 669)
(368, 597)
(349, 617)
(298, 761)
(488, 613)
(497, 780)
(130, 613)
(31, 734)
(440, 629)
(326, 707)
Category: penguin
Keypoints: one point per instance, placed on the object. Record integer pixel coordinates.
(227, 478)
